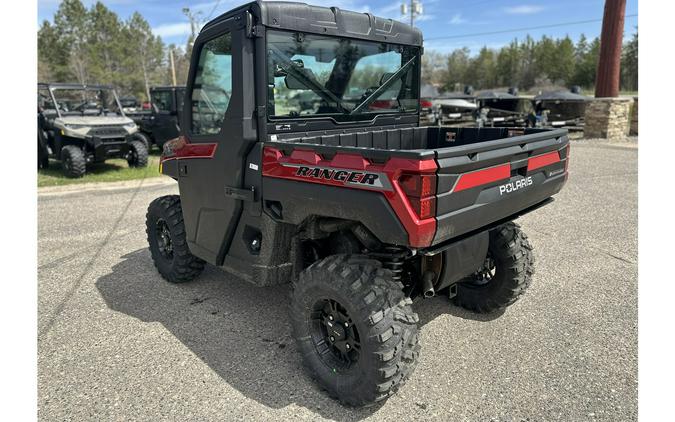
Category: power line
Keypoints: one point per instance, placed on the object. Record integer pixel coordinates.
(506, 31)
(208, 18)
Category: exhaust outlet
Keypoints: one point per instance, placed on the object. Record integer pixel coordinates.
(428, 284)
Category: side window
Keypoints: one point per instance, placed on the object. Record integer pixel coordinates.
(162, 100)
(212, 86)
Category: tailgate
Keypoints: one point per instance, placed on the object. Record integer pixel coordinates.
(487, 182)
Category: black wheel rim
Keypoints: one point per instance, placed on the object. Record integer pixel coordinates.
(133, 156)
(67, 163)
(164, 243)
(486, 274)
(335, 336)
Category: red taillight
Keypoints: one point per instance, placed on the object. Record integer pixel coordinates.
(418, 185)
(421, 192)
(171, 147)
(383, 104)
(426, 104)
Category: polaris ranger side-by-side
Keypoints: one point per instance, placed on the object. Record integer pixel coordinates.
(301, 159)
(162, 122)
(82, 124)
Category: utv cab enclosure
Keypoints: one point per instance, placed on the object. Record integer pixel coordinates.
(162, 122)
(301, 160)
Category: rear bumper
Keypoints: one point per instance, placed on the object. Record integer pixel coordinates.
(493, 206)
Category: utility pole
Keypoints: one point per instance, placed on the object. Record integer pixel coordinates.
(609, 66)
(194, 19)
(415, 10)
(173, 67)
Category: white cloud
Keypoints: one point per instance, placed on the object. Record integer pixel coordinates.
(424, 17)
(523, 9)
(172, 29)
(457, 19)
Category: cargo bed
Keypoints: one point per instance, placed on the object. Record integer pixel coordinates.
(482, 175)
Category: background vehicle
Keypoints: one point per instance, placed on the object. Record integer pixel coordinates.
(162, 122)
(561, 108)
(82, 124)
(505, 109)
(360, 206)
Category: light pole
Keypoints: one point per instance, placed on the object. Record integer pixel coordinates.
(414, 11)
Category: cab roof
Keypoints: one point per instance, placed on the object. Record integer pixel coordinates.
(72, 86)
(330, 21)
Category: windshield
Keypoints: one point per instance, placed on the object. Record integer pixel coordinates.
(86, 101)
(314, 75)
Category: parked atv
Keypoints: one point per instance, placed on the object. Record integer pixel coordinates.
(83, 124)
(349, 199)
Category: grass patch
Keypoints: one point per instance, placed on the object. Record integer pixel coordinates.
(110, 171)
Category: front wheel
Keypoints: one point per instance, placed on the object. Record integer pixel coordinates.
(168, 245)
(138, 154)
(142, 137)
(43, 156)
(355, 329)
(506, 273)
(74, 161)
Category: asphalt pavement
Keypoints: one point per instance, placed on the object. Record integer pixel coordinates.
(116, 342)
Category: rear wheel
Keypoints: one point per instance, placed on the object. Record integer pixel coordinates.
(138, 154)
(356, 331)
(506, 273)
(168, 245)
(73, 161)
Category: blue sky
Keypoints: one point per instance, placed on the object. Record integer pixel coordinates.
(441, 18)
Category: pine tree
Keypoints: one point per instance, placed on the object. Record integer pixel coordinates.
(145, 56)
(71, 24)
(629, 65)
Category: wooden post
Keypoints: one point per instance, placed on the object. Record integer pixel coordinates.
(609, 66)
(173, 67)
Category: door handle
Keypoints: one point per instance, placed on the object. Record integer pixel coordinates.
(240, 194)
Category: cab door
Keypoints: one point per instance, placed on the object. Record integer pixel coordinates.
(212, 175)
(165, 126)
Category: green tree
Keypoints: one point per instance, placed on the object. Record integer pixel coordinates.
(629, 65)
(145, 58)
(509, 65)
(105, 47)
(458, 63)
(482, 71)
(587, 63)
(529, 68)
(71, 24)
(563, 68)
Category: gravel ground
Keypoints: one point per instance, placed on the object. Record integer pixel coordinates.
(115, 342)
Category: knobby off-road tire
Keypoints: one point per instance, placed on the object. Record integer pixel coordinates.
(506, 279)
(138, 154)
(168, 246)
(142, 137)
(382, 327)
(43, 156)
(73, 161)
